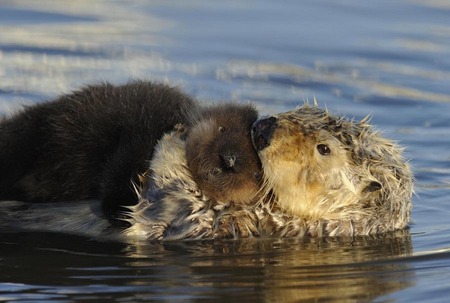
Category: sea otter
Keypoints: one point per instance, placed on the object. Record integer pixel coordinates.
(339, 176)
(88, 144)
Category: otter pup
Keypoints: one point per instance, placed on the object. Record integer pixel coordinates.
(339, 177)
(88, 144)
(196, 172)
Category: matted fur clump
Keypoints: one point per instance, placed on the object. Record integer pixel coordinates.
(323, 175)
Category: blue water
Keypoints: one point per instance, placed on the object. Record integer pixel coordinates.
(390, 59)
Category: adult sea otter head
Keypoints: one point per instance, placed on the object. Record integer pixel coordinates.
(324, 167)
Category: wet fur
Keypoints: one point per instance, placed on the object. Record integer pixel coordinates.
(363, 186)
(220, 154)
(182, 200)
(87, 144)
(171, 206)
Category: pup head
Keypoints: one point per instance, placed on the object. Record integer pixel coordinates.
(220, 153)
(321, 166)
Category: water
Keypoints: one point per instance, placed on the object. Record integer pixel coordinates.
(389, 59)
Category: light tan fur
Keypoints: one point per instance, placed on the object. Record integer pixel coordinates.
(335, 189)
(171, 207)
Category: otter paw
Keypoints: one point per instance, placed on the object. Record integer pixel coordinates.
(238, 224)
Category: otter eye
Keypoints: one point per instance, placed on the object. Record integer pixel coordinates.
(221, 129)
(373, 186)
(323, 149)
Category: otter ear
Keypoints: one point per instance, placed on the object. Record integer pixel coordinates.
(372, 186)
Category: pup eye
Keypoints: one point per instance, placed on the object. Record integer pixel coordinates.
(323, 149)
(221, 129)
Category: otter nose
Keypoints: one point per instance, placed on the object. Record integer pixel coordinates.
(229, 161)
(262, 131)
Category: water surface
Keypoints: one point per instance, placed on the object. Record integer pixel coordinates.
(388, 59)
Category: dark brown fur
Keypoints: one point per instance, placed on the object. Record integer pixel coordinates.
(87, 144)
(220, 153)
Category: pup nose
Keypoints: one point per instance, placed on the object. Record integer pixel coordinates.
(229, 161)
(262, 132)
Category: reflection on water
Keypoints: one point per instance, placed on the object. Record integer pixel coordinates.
(267, 270)
(388, 59)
